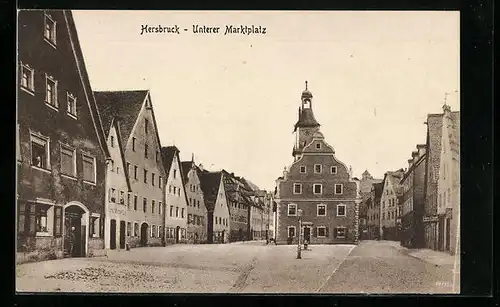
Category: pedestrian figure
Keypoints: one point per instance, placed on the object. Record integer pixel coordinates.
(72, 240)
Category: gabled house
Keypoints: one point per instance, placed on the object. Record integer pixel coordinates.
(119, 190)
(389, 205)
(196, 209)
(317, 184)
(212, 185)
(176, 215)
(448, 185)
(134, 115)
(61, 145)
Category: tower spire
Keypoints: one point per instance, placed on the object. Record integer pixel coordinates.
(306, 85)
(192, 157)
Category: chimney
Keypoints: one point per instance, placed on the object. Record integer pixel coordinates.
(421, 148)
(410, 163)
(201, 167)
(414, 155)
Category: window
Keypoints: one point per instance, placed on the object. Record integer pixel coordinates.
(145, 176)
(68, 161)
(117, 170)
(340, 232)
(182, 213)
(50, 30)
(71, 103)
(291, 231)
(292, 209)
(144, 204)
(41, 218)
(321, 231)
(136, 229)
(112, 165)
(175, 190)
(318, 168)
(27, 78)
(128, 200)
(135, 172)
(133, 143)
(160, 181)
(146, 126)
(302, 169)
(89, 171)
(160, 231)
(339, 188)
(112, 195)
(153, 231)
(176, 211)
(341, 210)
(318, 146)
(94, 226)
(40, 151)
(198, 203)
(317, 188)
(160, 208)
(135, 202)
(153, 179)
(171, 210)
(152, 206)
(333, 169)
(190, 217)
(321, 210)
(51, 91)
(129, 225)
(157, 156)
(146, 151)
(122, 198)
(112, 141)
(297, 188)
(128, 168)
(175, 173)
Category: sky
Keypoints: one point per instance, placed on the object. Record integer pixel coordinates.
(233, 100)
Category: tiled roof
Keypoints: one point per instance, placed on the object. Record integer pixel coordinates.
(306, 119)
(124, 106)
(186, 166)
(167, 154)
(80, 62)
(210, 182)
(379, 188)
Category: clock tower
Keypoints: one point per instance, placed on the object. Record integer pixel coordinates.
(306, 125)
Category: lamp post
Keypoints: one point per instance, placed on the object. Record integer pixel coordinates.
(299, 215)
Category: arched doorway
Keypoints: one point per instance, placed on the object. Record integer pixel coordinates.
(76, 221)
(144, 234)
(177, 234)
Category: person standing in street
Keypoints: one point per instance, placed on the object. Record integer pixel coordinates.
(72, 240)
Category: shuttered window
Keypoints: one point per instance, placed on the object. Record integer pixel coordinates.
(68, 161)
(88, 168)
(32, 219)
(21, 218)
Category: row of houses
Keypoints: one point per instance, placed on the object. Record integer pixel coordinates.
(92, 173)
(420, 204)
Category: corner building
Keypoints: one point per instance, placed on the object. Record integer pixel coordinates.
(319, 184)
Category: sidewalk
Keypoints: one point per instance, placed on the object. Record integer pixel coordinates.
(428, 255)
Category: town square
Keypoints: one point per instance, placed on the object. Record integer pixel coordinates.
(238, 164)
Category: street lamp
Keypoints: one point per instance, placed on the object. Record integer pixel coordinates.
(299, 215)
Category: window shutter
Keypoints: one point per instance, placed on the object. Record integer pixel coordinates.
(57, 221)
(335, 232)
(21, 218)
(315, 232)
(32, 219)
(326, 232)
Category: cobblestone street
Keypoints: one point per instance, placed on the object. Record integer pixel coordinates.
(251, 267)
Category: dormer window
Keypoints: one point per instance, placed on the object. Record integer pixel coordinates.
(50, 30)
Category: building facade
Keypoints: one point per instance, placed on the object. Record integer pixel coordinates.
(62, 152)
(119, 191)
(373, 211)
(238, 208)
(218, 218)
(318, 184)
(196, 209)
(433, 157)
(176, 203)
(412, 209)
(135, 117)
(389, 205)
(448, 189)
